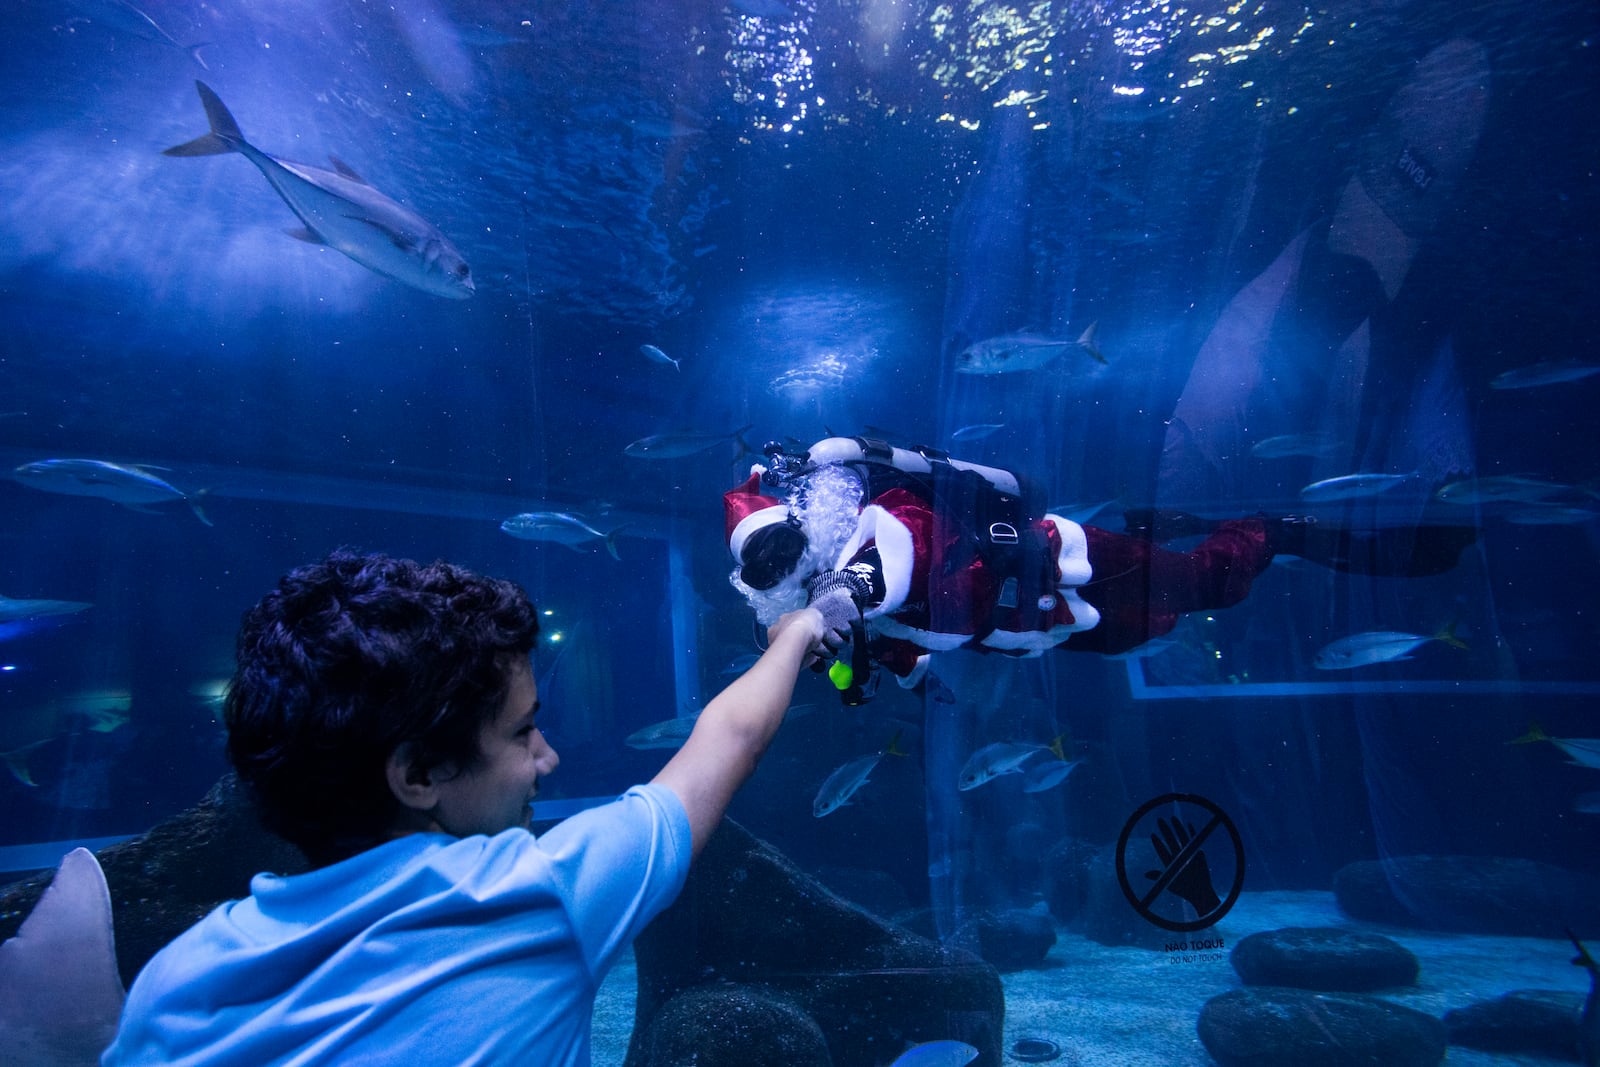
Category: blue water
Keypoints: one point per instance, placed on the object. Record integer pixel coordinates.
(814, 210)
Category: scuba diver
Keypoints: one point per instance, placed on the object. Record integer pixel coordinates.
(939, 554)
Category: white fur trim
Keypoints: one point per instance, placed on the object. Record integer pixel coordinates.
(917, 673)
(929, 639)
(753, 522)
(1075, 571)
(1034, 641)
(895, 552)
(1074, 558)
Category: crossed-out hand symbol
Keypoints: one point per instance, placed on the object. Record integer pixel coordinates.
(1191, 881)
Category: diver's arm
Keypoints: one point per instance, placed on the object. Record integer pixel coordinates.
(735, 728)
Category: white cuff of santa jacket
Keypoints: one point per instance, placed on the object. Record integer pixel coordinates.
(895, 555)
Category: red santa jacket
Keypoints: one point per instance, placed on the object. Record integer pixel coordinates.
(938, 595)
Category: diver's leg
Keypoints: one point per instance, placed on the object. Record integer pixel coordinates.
(1140, 589)
(1399, 551)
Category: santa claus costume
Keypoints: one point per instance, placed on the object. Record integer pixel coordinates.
(941, 577)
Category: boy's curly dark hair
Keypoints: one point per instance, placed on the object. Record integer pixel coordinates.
(346, 660)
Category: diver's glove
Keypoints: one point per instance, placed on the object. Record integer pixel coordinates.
(855, 583)
(838, 607)
(838, 596)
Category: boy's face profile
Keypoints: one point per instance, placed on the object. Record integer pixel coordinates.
(493, 794)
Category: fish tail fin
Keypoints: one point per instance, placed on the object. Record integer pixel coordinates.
(224, 136)
(1583, 959)
(1089, 344)
(1058, 747)
(16, 762)
(893, 748)
(744, 446)
(1448, 636)
(611, 544)
(194, 500)
(194, 53)
(1535, 733)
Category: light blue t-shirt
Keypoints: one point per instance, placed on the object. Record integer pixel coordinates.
(426, 950)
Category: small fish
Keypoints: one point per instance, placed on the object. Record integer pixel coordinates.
(846, 779)
(1549, 372)
(1551, 515)
(1498, 487)
(655, 355)
(1351, 486)
(1583, 751)
(1010, 353)
(1047, 775)
(1377, 646)
(937, 1054)
(130, 485)
(123, 17)
(669, 733)
(1089, 342)
(679, 445)
(340, 210)
(977, 431)
(560, 528)
(1283, 446)
(21, 610)
(739, 664)
(991, 761)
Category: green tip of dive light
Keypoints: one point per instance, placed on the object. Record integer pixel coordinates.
(841, 675)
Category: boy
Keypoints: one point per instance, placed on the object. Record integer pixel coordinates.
(383, 714)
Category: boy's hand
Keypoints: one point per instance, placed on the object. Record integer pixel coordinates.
(827, 632)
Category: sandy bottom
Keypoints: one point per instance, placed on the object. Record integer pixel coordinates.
(1128, 1007)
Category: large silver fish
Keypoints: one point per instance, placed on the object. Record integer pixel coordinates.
(26, 730)
(126, 484)
(122, 17)
(1376, 646)
(20, 610)
(1013, 352)
(841, 785)
(669, 733)
(558, 527)
(1047, 775)
(846, 779)
(1583, 751)
(991, 761)
(1352, 486)
(1315, 445)
(679, 445)
(1551, 372)
(342, 211)
(1498, 487)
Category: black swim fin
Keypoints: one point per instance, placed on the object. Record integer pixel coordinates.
(1397, 551)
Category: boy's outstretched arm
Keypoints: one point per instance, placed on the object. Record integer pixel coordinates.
(737, 725)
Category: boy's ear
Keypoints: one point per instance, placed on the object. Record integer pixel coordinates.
(412, 786)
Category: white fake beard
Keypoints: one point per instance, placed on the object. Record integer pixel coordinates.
(827, 504)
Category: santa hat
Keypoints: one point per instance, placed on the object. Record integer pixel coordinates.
(747, 510)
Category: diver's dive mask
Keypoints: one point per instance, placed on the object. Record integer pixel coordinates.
(771, 554)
